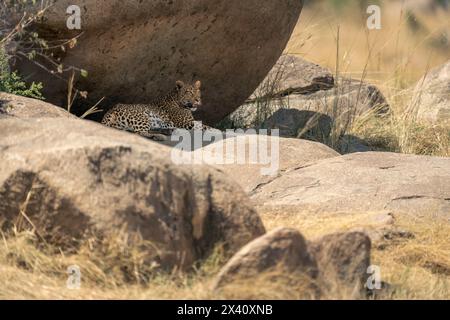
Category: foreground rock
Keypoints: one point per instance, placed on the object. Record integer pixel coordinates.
(432, 96)
(343, 260)
(360, 183)
(334, 264)
(280, 251)
(135, 50)
(282, 155)
(74, 180)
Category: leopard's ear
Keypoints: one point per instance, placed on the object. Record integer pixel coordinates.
(198, 84)
(180, 84)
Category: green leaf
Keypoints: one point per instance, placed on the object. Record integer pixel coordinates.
(84, 73)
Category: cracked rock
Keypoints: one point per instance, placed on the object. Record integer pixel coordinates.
(293, 154)
(362, 182)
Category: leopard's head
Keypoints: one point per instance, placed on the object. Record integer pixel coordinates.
(189, 95)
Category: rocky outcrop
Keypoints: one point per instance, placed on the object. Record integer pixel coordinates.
(432, 96)
(135, 50)
(299, 94)
(334, 263)
(71, 180)
(360, 183)
(291, 74)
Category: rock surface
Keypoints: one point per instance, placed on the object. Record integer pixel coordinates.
(359, 183)
(432, 96)
(304, 95)
(343, 259)
(22, 107)
(134, 50)
(335, 263)
(288, 155)
(74, 179)
(292, 74)
(281, 251)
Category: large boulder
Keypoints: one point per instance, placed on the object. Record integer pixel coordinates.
(135, 50)
(71, 180)
(361, 183)
(432, 96)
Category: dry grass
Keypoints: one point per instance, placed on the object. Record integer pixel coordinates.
(400, 131)
(393, 58)
(394, 55)
(421, 267)
(417, 268)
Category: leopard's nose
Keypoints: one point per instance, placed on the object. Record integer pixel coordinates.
(188, 104)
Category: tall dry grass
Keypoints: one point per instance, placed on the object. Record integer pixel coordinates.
(409, 44)
(416, 267)
(395, 56)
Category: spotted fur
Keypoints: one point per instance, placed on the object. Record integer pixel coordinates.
(160, 117)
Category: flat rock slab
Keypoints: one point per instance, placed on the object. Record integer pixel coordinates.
(288, 154)
(135, 50)
(362, 182)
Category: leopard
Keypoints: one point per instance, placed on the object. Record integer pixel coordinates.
(156, 120)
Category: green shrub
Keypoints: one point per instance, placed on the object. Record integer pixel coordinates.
(12, 82)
